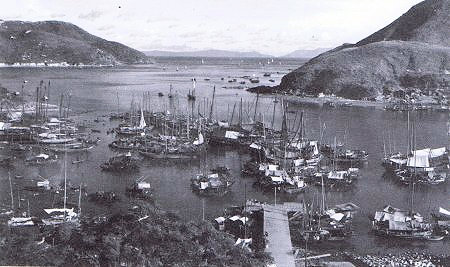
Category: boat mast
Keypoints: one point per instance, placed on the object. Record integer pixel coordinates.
(232, 114)
(273, 114)
(79, 202)
(118, 105)
(10, 188)
(65, 180)
(212, 103)
(240, 114)
(256, 107)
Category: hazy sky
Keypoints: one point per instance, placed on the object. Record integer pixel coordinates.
(275, 27)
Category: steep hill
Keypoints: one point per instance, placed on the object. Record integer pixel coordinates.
(56, 41)
(411, 52)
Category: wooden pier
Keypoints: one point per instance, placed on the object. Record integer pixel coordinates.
(276, 229)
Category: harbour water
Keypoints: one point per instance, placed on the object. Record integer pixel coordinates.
(95, 92)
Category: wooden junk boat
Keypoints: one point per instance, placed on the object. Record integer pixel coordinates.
(174, 149)
(139, 190)
(393, 222)
(216, 183)
(122, 162)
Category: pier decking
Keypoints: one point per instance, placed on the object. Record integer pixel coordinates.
(276, 227)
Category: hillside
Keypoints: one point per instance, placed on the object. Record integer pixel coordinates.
(56, 42)
(206, 53)
(140, 236)
(411, 52)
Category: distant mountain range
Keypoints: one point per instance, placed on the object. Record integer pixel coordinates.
(306, 53)
(206, 53)
(413, 52)
(302, 53)
(53, 42)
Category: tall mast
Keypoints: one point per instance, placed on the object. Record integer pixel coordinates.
(212, 103)
(240, 114)
(79, 202)
(256, 107)
(118, 105)
(65, 181)
(10, 188)
(273, 114)
(232, 113)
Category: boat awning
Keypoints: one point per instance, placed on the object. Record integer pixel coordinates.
(204, 185)
(219, 220)
(338, 175)
(215, 183)
(271, 167)
(337, 216)
(400, 216)
(255, 146)
(299, 162)
(54, 120)
(143, 185)
(438, 152)
(223, 124)
(419, 159)
(200, 140)
(235, 218)
(444, 211)
(231, 135)
(277, 179)
(398, 226)
(69, 212)
(244, 220)
(398, 161)
(213, 175)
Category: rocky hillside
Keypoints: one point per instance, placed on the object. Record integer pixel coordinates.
(411, 52)
(56, 42)
(142, 236)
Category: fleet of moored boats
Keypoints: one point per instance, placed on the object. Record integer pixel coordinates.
(284, 161)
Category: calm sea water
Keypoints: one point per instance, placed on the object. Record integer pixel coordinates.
(94, 93)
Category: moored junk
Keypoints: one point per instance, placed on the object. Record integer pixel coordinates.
(350, 156)
(60, 216)
(71, 147)
(122, 162)
(139, 129)
(271, 176)
(425, 166)
(170, 147)
(140, 190)
(442, 219)
(41, 159)
(218, 182)
(225, 136)
(103, 197)
(393, 222)
(24, 221)
(325, 224)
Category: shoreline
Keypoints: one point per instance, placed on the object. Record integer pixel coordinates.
(340, 102)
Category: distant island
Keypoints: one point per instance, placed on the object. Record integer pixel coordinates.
(306, 53)
(57, 43)
(411, 55)
(207, 53)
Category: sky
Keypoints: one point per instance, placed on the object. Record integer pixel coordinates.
(274, 27)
